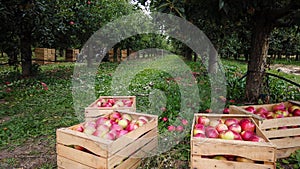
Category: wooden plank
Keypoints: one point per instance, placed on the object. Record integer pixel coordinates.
(288, 142)
(131, 136)
(65, 163)
(81, 157)
(94, 144)
(257, 153)
(286, 152)
(282, 133)
(130, 149)
(280, 122)
(202, 163)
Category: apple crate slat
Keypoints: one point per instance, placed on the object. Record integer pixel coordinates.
(287, 140)
(124, 152)
(93, 110)
(262, 154)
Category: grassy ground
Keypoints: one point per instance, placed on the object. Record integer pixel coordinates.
(31, 109)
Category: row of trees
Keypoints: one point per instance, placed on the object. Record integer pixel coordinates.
(252, 21)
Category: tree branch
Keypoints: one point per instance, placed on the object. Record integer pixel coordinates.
(278, 13)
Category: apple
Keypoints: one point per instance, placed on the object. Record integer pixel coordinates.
(121, 133)
(89, 127)
(101, 120)
(109, 136)
(203, 120)
(231, 121)
(279, 106)
(116, 127)
(282, 128)
(101, 102)
(118, 104)
(220, 158)
(256, 138)
(141, 122)
(211, 132)
(197, 130)
(200, 135)
(292, 108)
(227, 135)
(179, 128)
(221, 127)
(131, 126)
(226, 111)
(89, 2)
(79, 148)
(100, 133)
(127, 103)
(199, 126)
(230, 157)
(242, 159)
(102, 127)
(247, 125)
(246, 135)
(214, 122)
(79, 128)
(111, 101)
(269, 114)
(123, 123)
(261, 110)
(115, 115)
(237, 136)
(127, 116)
(250, 109)
(72, 23)
(235, 127)
(143, 118)
(296, 112)
(275, 115)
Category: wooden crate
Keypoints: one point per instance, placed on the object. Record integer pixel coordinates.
(286, 140)
(93, 111)
(111, 55)
(123, 55)
(41, 55)
(263, 153)
(124, 152)
(71, 54)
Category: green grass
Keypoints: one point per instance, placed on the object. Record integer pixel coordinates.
(33, 113)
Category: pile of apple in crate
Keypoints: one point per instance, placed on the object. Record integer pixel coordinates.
(280, 123)
(112, 136)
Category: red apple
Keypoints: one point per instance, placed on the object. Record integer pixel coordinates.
(131, 126)
(269, 115)
(250, 109)
(101, 120)
(203, 120)
(143, 118)
(79, 148)
(200, 135)
(296, 112)
(115, 116)
(275, 115)
(109, 136)
(117, 127)
(279, 106)
(247, 125)
(231, 121)
(72, 23)
(199, 127)
(246, 135)
(211, 132)
(79, 128)
(292, 108)
(237, 136)
(101, 102)
(256, 138)
(121, 133)
(226, 111)
(227, 135)
(235, 127)
(102, 127)
(261, 110)
(221, 127)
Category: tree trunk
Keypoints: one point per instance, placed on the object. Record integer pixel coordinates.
(258, 55)
(26, 53)
(297, 56)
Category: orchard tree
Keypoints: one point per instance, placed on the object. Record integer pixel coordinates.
(259, 17)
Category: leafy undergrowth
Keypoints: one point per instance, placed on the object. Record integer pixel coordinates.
(31, 109)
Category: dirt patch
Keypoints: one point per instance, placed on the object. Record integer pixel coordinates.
(291, 69)
(33, 154)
